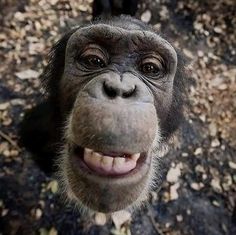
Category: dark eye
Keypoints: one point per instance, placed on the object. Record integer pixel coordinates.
(94, 61)
(149, 69)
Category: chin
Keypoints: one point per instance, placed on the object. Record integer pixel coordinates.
(105, 181)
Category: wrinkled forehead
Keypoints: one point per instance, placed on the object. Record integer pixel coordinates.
(115, 38)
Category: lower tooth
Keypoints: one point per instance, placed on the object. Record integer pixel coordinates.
(119, 161)
(88, 151)
(135, 156)
(108, 163)
(87, 157)
(107, 160)
(96, 159)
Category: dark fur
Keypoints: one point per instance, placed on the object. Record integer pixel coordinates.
(107, 8)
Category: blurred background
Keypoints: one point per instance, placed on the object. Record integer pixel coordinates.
(199, 194)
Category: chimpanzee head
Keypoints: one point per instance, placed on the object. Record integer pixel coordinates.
(118, 86)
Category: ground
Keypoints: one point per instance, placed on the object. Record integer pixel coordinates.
(198, 196)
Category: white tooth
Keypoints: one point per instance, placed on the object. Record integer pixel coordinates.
(96, 159)
(87, 156)
(88, 151)
(106, 162)
(135, 156)
(119, 161)
(97, 155)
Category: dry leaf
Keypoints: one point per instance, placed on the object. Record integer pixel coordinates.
(27, 74)
(120, 217)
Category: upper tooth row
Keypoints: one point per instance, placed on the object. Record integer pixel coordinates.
(134, 157)
(108, 164)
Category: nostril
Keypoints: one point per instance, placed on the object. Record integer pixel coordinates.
(109, 90)
(130, 92)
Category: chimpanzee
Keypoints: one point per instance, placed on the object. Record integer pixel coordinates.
(116, 90)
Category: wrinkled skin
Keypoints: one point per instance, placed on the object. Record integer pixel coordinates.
(118, 87)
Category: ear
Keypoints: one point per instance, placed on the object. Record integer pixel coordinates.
(54, 70)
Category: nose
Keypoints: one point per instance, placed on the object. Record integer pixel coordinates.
(113, 89)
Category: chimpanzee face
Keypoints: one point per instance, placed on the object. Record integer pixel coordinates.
(120, 97)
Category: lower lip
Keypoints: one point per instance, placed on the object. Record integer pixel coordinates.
(77, 159)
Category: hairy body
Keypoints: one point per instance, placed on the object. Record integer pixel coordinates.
(115, 99)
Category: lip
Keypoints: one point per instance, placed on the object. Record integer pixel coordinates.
(76, 154)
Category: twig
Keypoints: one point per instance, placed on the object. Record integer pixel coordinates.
(8, 138)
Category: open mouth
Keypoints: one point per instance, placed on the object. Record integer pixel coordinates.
(107, 164)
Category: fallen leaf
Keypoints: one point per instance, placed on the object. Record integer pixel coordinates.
(53, 186)
(232, 165)
(146, 16)
(4, 106)
(120, 217)
(52, 231)
(173, 174)
(173, 191)
(100, 219)
(27, 74)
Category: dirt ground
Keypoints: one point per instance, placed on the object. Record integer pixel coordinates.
(198, 196)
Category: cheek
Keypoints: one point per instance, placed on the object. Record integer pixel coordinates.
(70, 86)
(163, 102)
